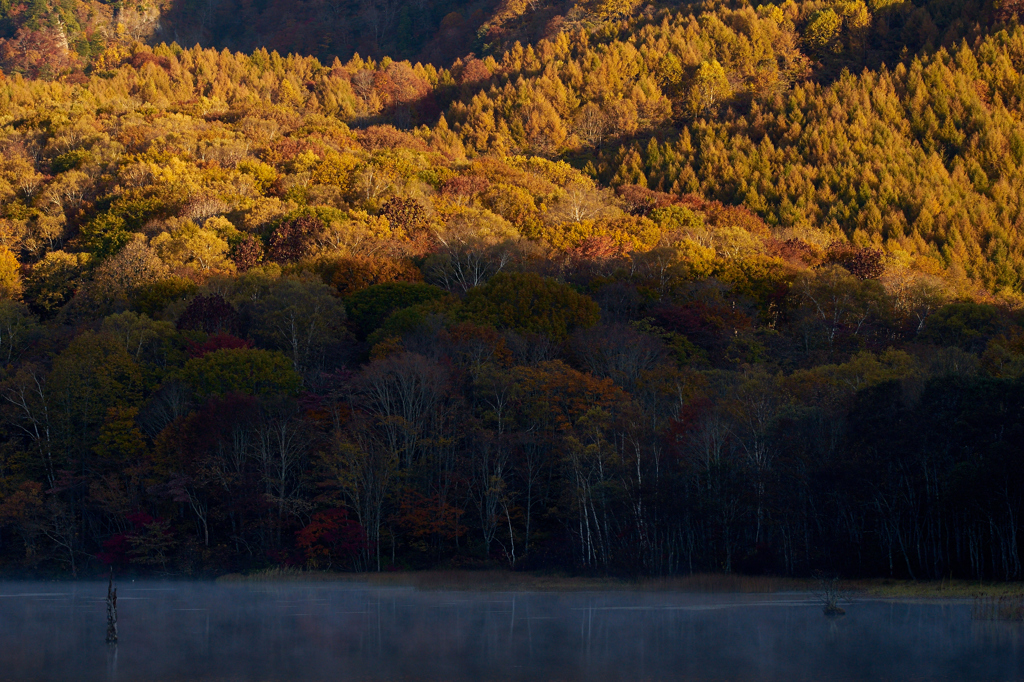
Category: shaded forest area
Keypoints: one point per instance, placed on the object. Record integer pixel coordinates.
(437, 32)
(637, 290)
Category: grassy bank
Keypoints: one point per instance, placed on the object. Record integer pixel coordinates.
(934, 589)
(705, 583)
(515, 581)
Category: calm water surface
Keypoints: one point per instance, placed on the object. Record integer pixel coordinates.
(199, 631)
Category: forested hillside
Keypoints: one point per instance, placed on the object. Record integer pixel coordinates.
(630, 289)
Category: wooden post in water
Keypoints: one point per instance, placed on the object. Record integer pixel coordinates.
(111, 610)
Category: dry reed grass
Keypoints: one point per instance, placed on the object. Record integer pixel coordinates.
(935, 589)
(707, 583)
(1006, 607)
(508, 581)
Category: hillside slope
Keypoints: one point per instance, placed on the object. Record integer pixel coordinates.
(658, 290)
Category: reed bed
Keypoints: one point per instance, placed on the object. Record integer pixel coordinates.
(705, 583)
(1009, 607)
(935, 589)
(498, 580)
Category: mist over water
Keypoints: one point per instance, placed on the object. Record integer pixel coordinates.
(202, 631)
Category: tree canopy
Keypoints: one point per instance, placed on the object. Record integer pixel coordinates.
(633, 288)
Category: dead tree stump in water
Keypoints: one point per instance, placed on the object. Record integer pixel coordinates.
(111, 610)
(830, 595)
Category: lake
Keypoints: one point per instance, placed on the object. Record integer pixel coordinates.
(350, 631)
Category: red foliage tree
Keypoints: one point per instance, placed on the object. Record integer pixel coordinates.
(140, 59)
(473, 72)
(247, 253)
(331, 538)
(429, 521)
(598, 247)
(350, 274)
(210, 314)
(216, 342)
(408, 214)
(707, 325)
(462, 187)
(861, 263)
(293, 239)
(641, 201)
(285, 150)
(37, 53)
(796, 251)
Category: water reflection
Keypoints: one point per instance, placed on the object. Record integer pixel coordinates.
(190, 631)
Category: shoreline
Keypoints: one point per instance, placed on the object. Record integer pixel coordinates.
(497, 580)
(702, 583)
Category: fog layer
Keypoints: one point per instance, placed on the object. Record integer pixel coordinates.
(197, 631)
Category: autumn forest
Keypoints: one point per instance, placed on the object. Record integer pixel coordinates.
(607, 287)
